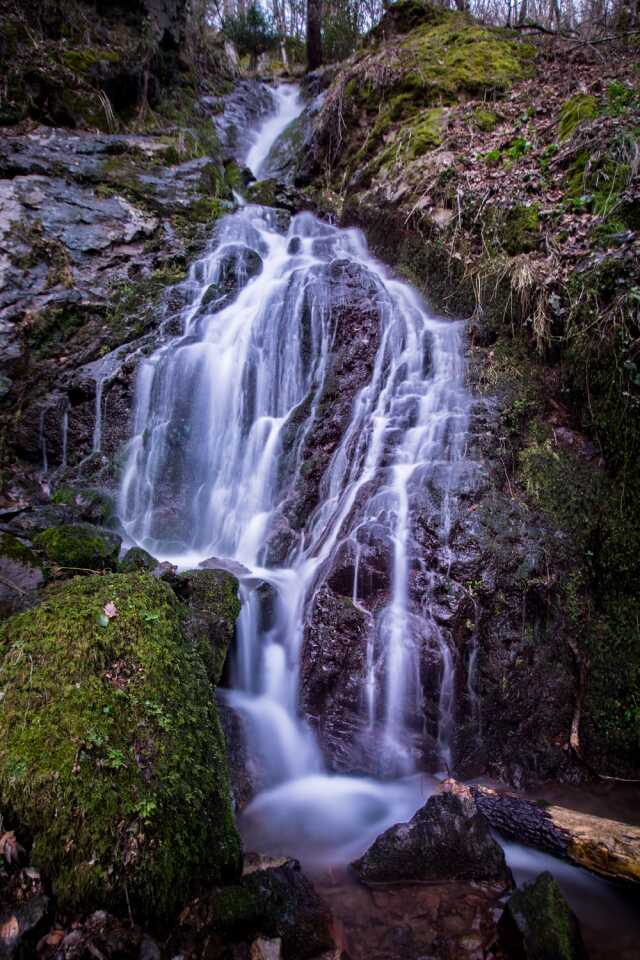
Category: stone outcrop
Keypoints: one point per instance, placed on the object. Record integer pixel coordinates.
(447, 840)
(273, 902)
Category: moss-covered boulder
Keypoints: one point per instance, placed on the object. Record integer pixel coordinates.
(537, 924)
(213, 608)
(111, 753)
(80, 546)
(136, 559)
(21, 573)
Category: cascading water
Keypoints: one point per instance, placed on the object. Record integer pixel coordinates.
(222, 415)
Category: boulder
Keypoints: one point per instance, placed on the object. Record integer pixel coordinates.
(21, 574)
(447, 840)
(238, 265)
(137, 559)
(116, 767)
(537, 924)
(276, 903)
(80, 546)
(212, 610)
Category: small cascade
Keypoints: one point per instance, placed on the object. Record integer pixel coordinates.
(290, 107)
(42, 440)
(219, 452)
(97, 428)
(64, 429)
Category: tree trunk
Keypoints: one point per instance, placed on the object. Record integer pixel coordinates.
(606, 847)
(314, 34)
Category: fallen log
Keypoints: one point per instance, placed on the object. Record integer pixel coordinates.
(607, 848)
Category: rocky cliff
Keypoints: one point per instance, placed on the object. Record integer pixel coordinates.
(498, 173)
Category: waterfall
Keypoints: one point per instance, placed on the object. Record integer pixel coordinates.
(223, 413)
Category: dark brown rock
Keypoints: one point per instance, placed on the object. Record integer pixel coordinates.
(447, 840)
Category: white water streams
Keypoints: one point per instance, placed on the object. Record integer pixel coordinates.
(290, 106)
(221, 417)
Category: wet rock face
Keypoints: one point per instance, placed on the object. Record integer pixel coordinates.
(21, 575)
(237, 115)
(447, 840)
(239, 265)
(212, 610)
(93, 228)
(333, 678)
(351, 296)
(537, 924)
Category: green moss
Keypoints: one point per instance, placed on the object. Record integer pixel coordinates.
(620, 96)
(611, 725)
(484, 120)
(520, 230)
(137, 559)
(425, 133)
(134, 305)
(65, 496)
(111, 752)
(458, 57)
(574, 112)
(214, 608)
(263, 192)
(398, 85)
(53, 327)
(82, 60)
(538, 922)
(79, 546)
(12, 548)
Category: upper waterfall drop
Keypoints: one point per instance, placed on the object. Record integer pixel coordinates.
(289, 106)
(310, 408)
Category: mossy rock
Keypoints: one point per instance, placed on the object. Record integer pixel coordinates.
(574, 112)
(213, 608)
(80, 546)
(537, 924)
(21, 573)
(484, 120)
(263, 192)
(520, 232)
(136, 559)
(111, 753)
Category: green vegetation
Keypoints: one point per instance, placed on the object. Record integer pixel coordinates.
(538, 922)
(574, 112)
(111, 753)
(520, 231)
(136, 559)
(13, 549)
(79, 546)
(484, 120)
(447, 55)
